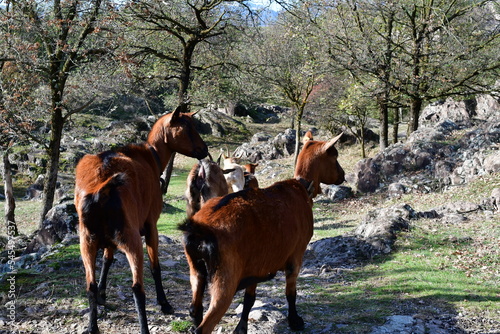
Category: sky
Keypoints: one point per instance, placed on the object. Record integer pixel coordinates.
(272, 5)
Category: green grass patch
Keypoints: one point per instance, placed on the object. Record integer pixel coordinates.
(182, 326)
(174, 209)
(451, 267)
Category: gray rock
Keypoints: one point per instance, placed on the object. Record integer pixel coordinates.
(396, 190)
(337, 193)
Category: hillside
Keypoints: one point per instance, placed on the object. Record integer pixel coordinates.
(440, 275)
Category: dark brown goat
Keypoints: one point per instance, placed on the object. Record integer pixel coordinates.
(241, 239)
(205, 180)
(118, 200)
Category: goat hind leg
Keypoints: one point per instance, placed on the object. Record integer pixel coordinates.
(248, 302)
(198, 279)
(222, 293)
(88, 250)
(107, 260)
(294, 320)
(135, 256)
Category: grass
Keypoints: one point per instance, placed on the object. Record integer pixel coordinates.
(435, 270)
(174, 211)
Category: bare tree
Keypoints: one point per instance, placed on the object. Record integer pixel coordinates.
(185, 33)
(406, 53)
(50, 42)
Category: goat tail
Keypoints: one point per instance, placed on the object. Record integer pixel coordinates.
(103, 208)
(201, 246)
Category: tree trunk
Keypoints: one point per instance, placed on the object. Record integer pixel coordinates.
(297, 141)
(363, 148)
(395, 126)
(415, 107)
(384, 124)
(53, 165)
(10, 203)
(298, 124)
(167, 173)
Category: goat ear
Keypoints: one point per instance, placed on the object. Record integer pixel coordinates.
(175, 114)
(332, 142)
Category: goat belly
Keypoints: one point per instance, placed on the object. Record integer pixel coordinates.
(259, 230)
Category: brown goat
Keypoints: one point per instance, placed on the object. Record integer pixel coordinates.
(241, 239)
(250, 168)
(317, 162)
(250, 179)
(205, 180)
(118, 200)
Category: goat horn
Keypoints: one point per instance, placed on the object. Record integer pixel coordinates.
(310, 189)
(210, 156)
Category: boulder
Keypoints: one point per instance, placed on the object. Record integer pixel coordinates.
(432, 159)
(218, 124)
(459, 112)
(374, 236)
(337, 193)
(379, 227)
(396, 190)
(495, 198)
(60, 223)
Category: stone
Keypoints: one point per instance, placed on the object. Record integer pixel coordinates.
(337, 193)
(396, 190)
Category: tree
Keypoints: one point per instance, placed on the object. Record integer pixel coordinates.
(5, 143)
(10, 203)
(50, 42)
(450, 48)
(185, 33)
(175, 38)
(360, 41)
(284, 55)
(417, 51)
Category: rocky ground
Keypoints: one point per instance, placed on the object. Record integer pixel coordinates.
(51, 299)
(45, 305)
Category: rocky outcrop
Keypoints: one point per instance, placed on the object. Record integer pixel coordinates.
(374, 236)
(263, 146)
(458, 141)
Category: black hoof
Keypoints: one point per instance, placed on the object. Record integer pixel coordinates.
(296, 323)
(89, 331)
(241, 329)
(101, 298)
(166, 308)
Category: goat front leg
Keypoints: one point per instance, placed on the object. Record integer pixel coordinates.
(248, 302)
(152, 247)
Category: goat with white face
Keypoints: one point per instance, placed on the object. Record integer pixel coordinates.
(235, 179)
